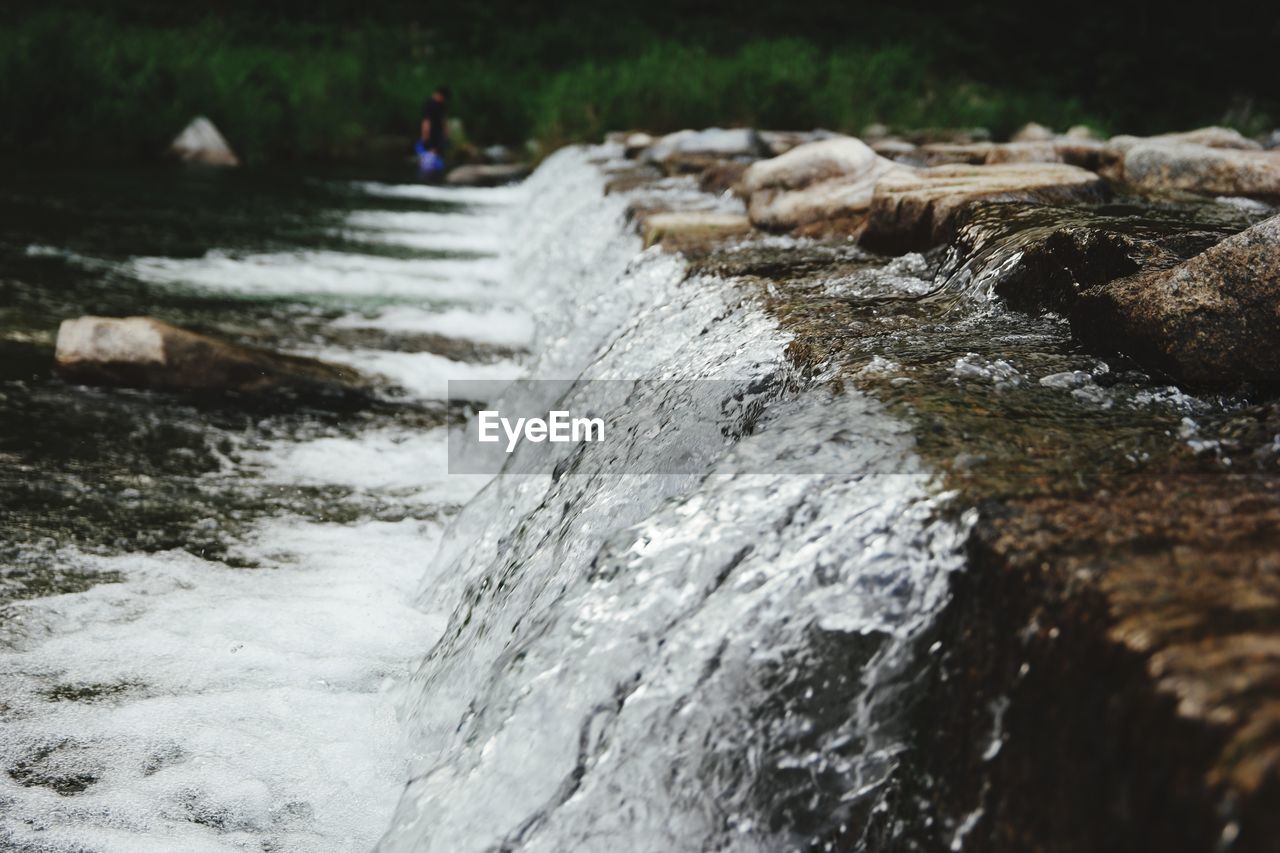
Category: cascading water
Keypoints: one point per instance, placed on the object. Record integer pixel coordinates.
(640, 659)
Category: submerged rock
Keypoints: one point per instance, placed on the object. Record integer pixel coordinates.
(1210, 322)
(914, 210)
(828, 183)
(201, 143)
(142, 352)
(490, 175)
(1201, 169)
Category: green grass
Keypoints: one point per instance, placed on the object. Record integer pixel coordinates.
(76, 83)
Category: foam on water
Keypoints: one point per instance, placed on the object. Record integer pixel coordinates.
(301, 274)
(457, 195)
(503, 325)
(200, 707)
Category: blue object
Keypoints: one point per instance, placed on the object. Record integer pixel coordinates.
(429, 162)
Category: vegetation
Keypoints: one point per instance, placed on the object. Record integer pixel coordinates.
(303, 81)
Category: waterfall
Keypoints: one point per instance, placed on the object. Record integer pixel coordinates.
(645, 655)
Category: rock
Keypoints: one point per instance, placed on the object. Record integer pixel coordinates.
(142, 352)
(1201, 169)
(722, 176)
(634, 144)
(1032, 132)
(1039, 258)
(1272, 142)
(945, 153)
(1042, 151)
(1209, 322)
(915, 210)
(677, 228)
(1117, 147)
(948, 135)
(713, 142)
(781, 141)
(201, 143)
(1082, 132)
(493, 175)
(1085, 153)
(808, 164)
(894, 148)
(829, 182)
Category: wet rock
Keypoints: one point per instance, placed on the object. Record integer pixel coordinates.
(201, 143)
(915, 210)
(487, 175)
(1272, 142)
(828, 183)
(1209, 322)
(142, 352)
(1032, 132)
(1201, 169)
(677, 228)
(1040, 258)
(710, 143)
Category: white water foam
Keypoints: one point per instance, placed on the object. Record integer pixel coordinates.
(457, 195)
(503, 325)
(327, 274)
(204, 707)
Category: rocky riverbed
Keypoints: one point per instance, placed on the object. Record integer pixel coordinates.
(1088, 351)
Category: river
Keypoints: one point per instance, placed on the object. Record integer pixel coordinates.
(232, 625)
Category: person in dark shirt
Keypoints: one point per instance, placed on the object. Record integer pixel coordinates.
(435, 130)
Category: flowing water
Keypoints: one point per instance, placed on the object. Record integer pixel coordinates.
(233, 626)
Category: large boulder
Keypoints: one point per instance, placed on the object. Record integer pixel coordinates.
(201, 143)
(915, 210)
(142, 352)
(1210, 322)
(487, 175)
(1200, 169)
(828, 183)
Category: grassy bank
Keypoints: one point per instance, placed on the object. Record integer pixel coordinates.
(85, 84)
